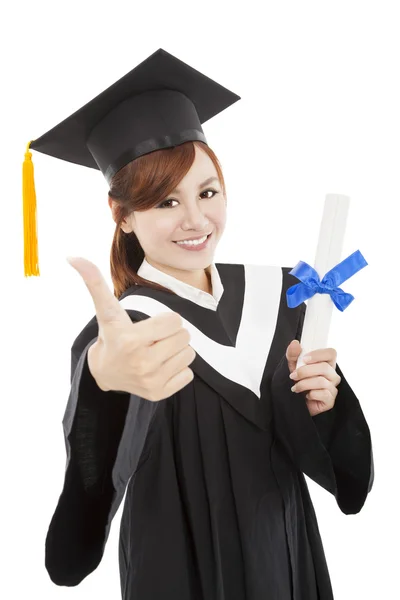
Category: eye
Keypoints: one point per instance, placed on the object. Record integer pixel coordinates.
(173, 199)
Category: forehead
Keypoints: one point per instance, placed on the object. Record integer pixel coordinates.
(201, 170)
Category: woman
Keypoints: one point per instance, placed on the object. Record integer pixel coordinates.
(212, 457)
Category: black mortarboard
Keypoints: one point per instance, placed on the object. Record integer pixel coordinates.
(161, 103)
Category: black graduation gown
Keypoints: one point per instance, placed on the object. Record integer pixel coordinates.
(217, 506)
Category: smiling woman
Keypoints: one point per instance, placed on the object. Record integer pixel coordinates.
(145, 184)
(212, 468)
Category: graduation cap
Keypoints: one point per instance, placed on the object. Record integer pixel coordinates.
(161, 103)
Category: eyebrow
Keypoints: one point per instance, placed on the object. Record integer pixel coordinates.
(206, 182)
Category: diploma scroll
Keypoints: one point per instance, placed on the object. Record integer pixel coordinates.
(329, 251)
(320, 285)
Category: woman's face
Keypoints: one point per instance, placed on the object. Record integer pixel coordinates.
(193, 209)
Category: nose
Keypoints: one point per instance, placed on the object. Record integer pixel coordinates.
(194, 219)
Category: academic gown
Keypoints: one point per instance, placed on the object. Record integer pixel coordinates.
(216, 503)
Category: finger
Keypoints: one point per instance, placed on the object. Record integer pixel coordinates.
(164, 325)
(168, 344)
(320, 368)
(326, 397)
(108, 308)
(315, 407)
(293, 351)
(312, 383)
(109, 311)
(178, 382)
(322, 354)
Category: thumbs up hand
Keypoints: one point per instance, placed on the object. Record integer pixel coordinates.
(149, 358)
(318, 376)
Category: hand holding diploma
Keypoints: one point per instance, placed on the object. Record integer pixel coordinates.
(318, 376)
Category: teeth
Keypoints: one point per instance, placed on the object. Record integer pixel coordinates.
(194, 242)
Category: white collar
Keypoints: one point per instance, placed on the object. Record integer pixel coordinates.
(185, 290)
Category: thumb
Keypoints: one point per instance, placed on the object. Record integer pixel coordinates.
(292, 354)
(108, 309)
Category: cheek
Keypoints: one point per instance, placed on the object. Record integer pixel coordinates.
(161, 230)
(219, 216)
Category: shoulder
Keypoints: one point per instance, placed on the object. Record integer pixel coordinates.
(252, 266)
(261, 269)
(275, 275)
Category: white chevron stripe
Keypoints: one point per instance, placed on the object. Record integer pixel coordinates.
(244, 363)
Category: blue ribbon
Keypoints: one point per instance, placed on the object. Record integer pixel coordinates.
(311, 283)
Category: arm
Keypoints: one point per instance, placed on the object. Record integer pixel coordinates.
(105, 433)
(76, 538)
(333, 448)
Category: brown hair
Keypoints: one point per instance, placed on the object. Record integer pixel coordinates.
(140, 185)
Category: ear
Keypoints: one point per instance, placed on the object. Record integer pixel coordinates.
(126, 227)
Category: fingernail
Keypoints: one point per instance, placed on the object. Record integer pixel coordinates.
(293, 375)
(293, 389)
(306, 358)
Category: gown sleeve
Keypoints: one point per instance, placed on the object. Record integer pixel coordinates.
(104, 447)
(333, 448)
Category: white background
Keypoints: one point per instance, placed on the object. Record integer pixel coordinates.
(319, 113)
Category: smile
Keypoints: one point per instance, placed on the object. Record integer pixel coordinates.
(194, 245)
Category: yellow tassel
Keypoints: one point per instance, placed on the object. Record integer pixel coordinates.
(31, 260)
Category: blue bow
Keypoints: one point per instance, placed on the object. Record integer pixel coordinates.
(311, 283)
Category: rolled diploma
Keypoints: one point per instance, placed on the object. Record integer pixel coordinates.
(329, 251)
